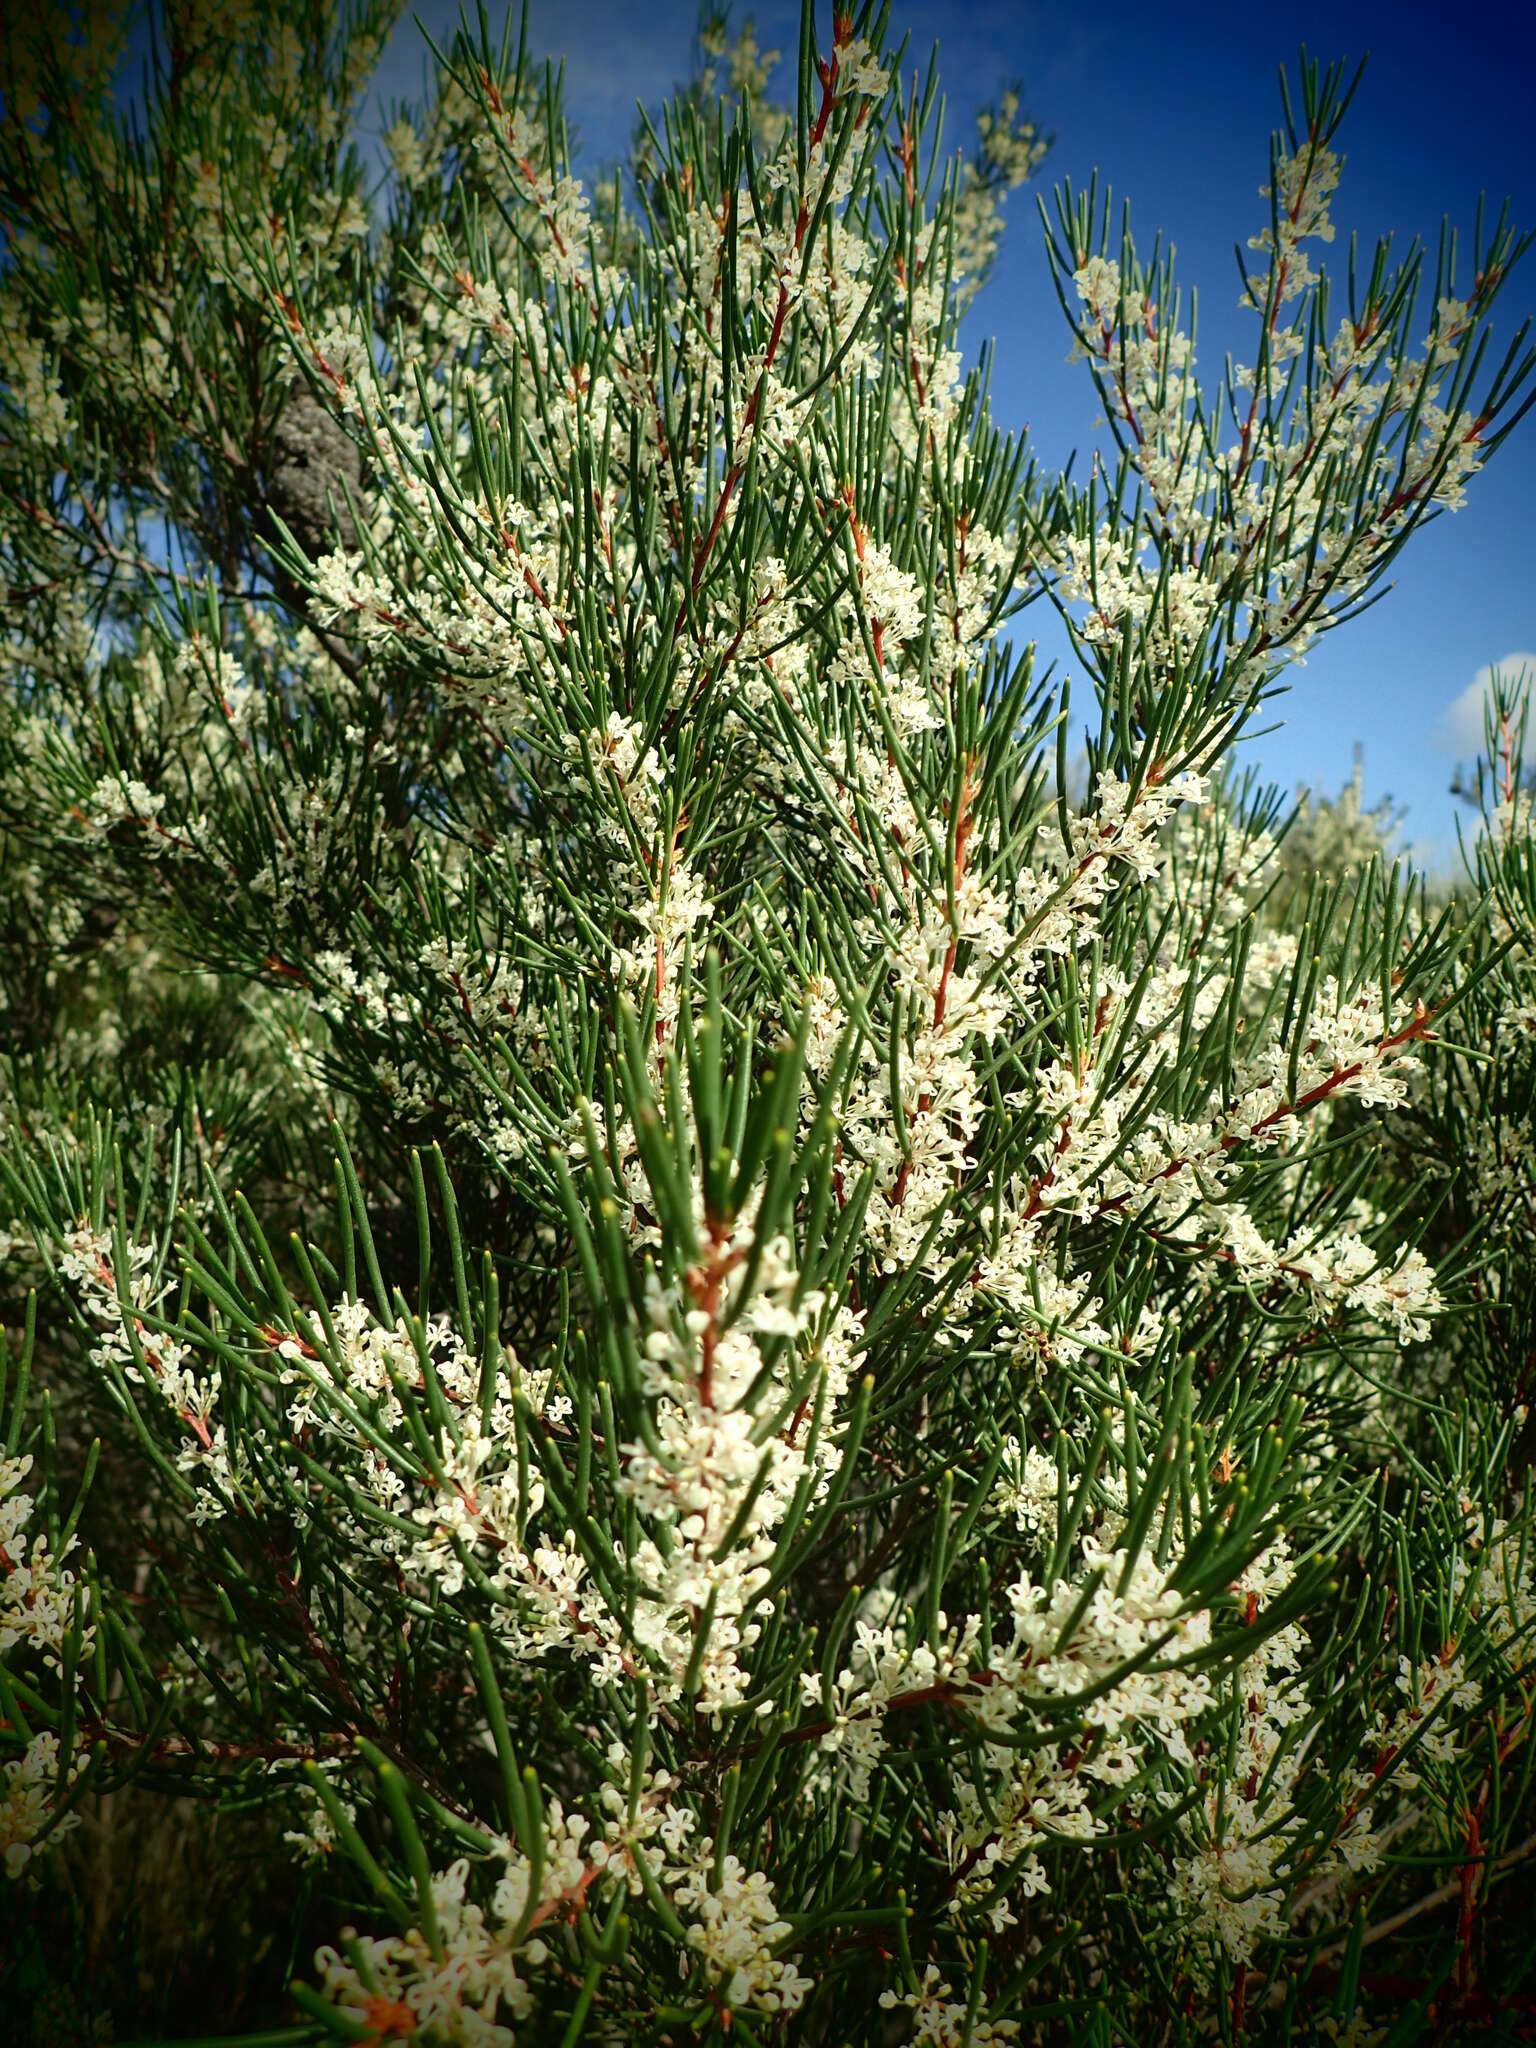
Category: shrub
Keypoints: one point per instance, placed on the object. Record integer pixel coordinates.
(729, 1360)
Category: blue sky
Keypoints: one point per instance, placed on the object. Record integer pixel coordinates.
(1174, 107)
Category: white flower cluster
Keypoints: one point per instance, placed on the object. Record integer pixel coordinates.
(1229, 1887)
(116, 800)
(1365, 409)
(1423, 1732)
(1180, 1174)
(720, 1467)
(149, 1357)
(1102, 1652)
(940, 2020)
(735, 1931)
(469, 1977)
(1028, 1488)
(668, 902)
(464, 1982)
(37, 1594)
(1499, 1585)
(317, 1838)
(622, 763)
(37, 1612)
(715, 1467)
(1108, 1651)
(30, 1796)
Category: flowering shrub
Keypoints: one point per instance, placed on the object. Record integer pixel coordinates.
(750, 1368)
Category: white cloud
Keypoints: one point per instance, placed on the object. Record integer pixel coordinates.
(1460, 731)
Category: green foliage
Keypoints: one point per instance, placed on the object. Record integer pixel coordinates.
(690, 1351)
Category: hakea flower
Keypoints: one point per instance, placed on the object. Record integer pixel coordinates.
(473, 1976)
(114, 800)
(316, 1837)
(1268, 481)
(1501, 1575)
(735, 1930)
(468, 1985)
(667, 904)
(37, 1614)
(1092, 1152)
(1233, 1886)
(30, 1799)
(1117, 1647)
(637, 774)
(885, 1670)
(1399, 1294)
(1436, 1689)
(1123, 1658)
(1028, 1488)
(705, 1350)
(941, 2020)
(37, 1590)
(87, 1260)
(473, 1500)
(1230, 1886)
